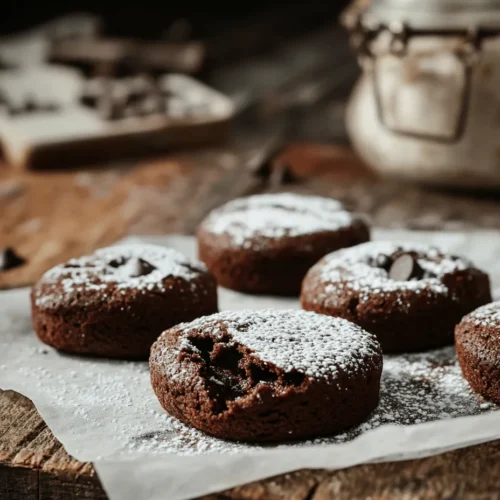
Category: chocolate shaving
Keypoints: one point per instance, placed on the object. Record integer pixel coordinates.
(383, 261)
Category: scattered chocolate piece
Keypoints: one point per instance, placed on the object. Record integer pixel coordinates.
(9, 259)
(117, 262)
(404, 268)
(125, 97)
(383, 261)
(138, 267)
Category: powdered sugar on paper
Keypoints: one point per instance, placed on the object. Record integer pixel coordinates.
(106, 412)
(113, 403)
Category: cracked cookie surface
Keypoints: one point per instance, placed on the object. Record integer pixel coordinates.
(268, 375)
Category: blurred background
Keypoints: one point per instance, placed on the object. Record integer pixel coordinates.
(150, 18)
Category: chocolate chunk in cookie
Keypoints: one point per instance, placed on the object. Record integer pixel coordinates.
(117, 301)
(405, 268)
(269, 375)
(410, 295)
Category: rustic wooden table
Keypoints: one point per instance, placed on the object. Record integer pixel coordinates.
(49, 217)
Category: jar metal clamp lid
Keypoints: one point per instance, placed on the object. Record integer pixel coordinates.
(401, 20)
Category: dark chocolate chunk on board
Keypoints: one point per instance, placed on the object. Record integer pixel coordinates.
(117, 98)
(73, 121)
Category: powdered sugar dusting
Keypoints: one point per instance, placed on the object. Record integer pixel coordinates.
(103, 408)
(314, 344)
(116, 267)
(119, 413)
(488, 315)
(415, 388)
(275, 216)
(356, 268)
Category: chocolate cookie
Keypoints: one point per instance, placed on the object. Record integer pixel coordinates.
(117, 301)
(266, 243)
(410, 295)
(477, 339)
(267, 375)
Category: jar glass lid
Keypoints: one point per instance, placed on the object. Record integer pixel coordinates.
(436, 14)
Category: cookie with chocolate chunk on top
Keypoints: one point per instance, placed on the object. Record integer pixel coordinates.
(410, 295)
(268, 375)
(117, 301)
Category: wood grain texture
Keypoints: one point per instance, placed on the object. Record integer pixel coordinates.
(470, 473)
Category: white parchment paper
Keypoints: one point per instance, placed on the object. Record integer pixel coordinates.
(106, 412)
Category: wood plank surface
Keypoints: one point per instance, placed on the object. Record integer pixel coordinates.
(42, 469)
(49, 217)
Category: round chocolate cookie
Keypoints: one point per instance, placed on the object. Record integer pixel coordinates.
(116, 302)
(410, 295)
(266, 243)
(269, 375)
(477, 340)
